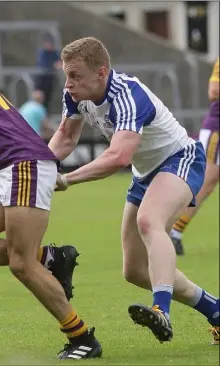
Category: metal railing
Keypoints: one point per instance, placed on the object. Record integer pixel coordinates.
(160, 72)
(50, 27)
(186, 117)
(24, 75)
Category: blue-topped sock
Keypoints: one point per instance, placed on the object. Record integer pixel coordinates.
(207, 305)
(162, 297)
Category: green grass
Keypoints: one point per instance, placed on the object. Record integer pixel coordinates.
(89, 216)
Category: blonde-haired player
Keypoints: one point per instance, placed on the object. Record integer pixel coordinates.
(168, 172)
(209, 136)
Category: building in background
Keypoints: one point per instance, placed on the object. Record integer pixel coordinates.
(177, 76)
(187, 24)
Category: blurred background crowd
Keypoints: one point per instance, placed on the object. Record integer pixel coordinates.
(171, 46)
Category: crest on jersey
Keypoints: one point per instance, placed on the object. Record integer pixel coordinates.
(84, 109)
(107, 123)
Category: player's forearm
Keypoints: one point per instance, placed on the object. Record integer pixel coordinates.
(61, 145)
(102, 167)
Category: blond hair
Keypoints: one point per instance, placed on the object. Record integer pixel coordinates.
(90, 50)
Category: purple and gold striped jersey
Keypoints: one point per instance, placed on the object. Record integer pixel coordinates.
(18, 141)
(215, 73)
(211, 121)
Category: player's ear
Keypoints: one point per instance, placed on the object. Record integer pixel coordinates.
(102, 72)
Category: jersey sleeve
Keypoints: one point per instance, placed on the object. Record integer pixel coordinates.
(215, 73)
(70, 108)
(132, 109)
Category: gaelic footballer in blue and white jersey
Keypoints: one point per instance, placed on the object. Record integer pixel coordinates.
(168, 172)
(129, 105)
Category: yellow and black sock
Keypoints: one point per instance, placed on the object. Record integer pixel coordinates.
(73, 326)
(180, 226)
(40, 254)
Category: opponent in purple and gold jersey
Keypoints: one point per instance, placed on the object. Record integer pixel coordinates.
(18, 142)
(209, 136)
(211, 121)
(28, 173)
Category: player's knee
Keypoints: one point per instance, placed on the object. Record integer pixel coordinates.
(144, 223)
(19, 268)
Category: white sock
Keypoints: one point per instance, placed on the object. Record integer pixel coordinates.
(176, 234)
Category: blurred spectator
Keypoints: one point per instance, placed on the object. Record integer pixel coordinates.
(35, 113)
(1, 75)
(49, 61)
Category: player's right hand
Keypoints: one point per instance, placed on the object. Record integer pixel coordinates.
(61, 183)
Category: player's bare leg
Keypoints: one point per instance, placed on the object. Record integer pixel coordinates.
(3, 248)
(3, 253)
(135, 259)
(60, 261)
(135, 267)
(210, 183)
(157, 208)
(25, 228)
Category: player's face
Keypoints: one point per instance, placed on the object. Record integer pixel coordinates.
(83, 83)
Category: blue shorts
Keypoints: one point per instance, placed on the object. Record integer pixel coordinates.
(188, 164)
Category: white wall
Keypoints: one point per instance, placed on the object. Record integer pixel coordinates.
(134, 10)
(177, 15)
(213, 30)
(178, 24)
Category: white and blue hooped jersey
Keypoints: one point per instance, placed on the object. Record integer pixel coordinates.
(129, 105)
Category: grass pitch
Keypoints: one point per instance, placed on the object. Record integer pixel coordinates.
(89, 216)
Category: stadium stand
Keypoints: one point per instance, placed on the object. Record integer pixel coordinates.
(178, 78)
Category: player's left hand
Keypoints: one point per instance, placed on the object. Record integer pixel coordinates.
(61, 183)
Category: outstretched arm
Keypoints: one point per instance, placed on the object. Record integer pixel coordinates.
(117, 156)
(128, 126)
(66, 137)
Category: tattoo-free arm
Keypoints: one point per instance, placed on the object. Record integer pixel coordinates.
(66, 137)
(117, 156)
